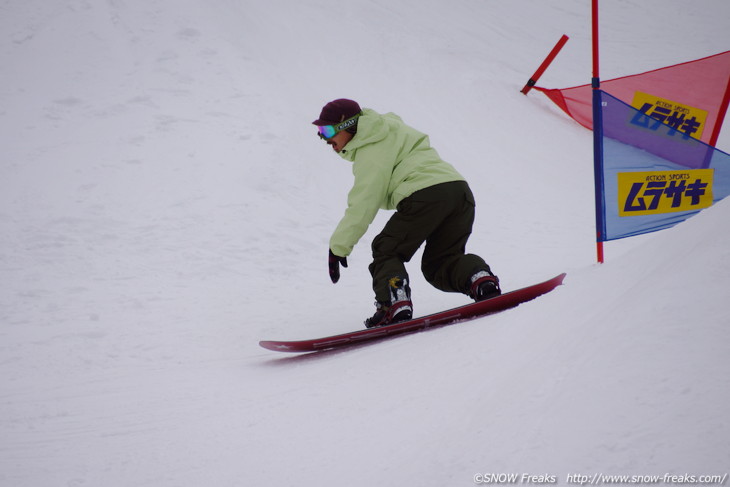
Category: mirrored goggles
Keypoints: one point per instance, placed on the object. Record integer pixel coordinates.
(328, 131)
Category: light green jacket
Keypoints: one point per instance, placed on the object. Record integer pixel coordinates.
(391, 161)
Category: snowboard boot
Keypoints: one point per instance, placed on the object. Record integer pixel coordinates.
(484, 285)
(399, 308)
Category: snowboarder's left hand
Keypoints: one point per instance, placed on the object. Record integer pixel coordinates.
(334, 265)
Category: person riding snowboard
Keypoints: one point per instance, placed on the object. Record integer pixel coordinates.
(396, 168)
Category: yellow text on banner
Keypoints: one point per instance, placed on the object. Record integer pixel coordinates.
(681, 117)
(655, 192)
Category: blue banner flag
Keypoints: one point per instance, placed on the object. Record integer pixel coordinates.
(655, 174)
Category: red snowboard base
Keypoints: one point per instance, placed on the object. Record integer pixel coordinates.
(456, 315)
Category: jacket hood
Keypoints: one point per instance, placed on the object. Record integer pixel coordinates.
(371, 127)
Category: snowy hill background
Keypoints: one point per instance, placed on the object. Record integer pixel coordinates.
(165, 204)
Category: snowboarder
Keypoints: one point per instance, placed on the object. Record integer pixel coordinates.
(396, 168)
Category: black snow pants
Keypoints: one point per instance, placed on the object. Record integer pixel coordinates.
(440, 215)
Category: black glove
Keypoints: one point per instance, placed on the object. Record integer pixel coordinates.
(334, 264)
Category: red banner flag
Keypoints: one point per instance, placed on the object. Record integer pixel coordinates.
(691, 97)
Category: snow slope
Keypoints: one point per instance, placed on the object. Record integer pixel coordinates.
(164, 204)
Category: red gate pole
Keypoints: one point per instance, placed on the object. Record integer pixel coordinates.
(720, 116)
(549, 59)
(597, 137)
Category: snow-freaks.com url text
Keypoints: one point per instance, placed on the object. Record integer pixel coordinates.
(600, 479)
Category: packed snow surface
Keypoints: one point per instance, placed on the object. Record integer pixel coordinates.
(165, 204)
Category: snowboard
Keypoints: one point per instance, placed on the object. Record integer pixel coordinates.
(448, 317)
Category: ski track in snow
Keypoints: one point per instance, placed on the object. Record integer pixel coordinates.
(164, 205)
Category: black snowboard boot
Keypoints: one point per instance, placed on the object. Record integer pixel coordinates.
(484, 285)
(400, 307)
